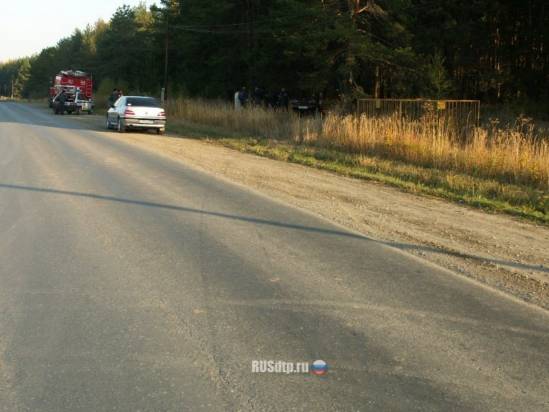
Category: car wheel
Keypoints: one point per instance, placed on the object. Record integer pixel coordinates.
(120, 126)
(160, 131)
(108, 123)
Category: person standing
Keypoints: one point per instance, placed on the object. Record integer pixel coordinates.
(113, 97)
(243, 97)
(60, 104)
(237, 105)
(258, 96)
(270, 101)
(284, 99)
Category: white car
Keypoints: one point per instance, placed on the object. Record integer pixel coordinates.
(136, 112)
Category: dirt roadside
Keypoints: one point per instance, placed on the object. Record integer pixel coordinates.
(507, 253)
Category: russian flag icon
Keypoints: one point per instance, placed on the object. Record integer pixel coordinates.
(319, 368)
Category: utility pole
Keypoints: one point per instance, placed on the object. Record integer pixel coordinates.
(166, 57)
(377, 84)
(249, 39)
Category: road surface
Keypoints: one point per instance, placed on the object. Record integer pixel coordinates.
(132, 282)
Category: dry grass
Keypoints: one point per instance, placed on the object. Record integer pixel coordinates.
(509, 155)
(512, 155)
(251, 121)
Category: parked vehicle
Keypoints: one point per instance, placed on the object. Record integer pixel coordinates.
(136, 112)
(78, 87)
(307, 106)
(72, 102)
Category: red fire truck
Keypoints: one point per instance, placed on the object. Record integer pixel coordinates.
(78, 88)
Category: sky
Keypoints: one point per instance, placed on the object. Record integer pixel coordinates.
(28, 26)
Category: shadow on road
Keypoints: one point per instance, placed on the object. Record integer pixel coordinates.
(258, 221)
(185, 209)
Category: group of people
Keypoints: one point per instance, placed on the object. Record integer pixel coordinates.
(305, 105)
(115, 95)
(260, 97)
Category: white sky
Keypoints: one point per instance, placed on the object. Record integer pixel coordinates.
(28, 26)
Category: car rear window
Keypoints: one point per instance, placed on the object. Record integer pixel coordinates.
(142, 102)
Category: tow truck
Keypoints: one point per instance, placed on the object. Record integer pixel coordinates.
(78, 88)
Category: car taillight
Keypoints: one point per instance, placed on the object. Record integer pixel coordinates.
(162, 114)
(129, 112)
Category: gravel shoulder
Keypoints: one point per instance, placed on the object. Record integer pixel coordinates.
(504, 252)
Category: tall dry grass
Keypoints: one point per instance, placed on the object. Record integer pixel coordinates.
(252, 121)
(512, 154)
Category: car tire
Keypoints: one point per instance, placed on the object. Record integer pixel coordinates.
(160, 131)
(108, 123)
(120, 126)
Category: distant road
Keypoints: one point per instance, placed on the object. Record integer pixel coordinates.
(132, 282)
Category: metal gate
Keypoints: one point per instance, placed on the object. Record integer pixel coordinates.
(458, 117)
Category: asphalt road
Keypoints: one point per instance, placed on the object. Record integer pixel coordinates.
(132, 282)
